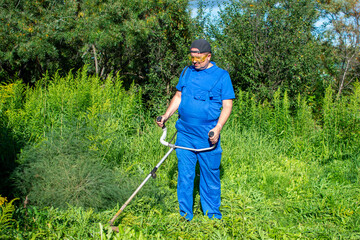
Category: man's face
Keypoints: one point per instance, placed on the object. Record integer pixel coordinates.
(200, 60)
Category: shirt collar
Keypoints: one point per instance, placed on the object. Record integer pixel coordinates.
(207, 70)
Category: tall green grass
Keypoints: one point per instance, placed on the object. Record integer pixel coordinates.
(285, 173)
(103, 109)
(74, 131)
(334, 135)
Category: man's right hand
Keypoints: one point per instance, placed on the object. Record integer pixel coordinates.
(162, 121)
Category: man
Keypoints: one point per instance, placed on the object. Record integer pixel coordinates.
(202, 91)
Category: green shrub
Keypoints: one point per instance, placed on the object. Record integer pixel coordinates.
(62, 170)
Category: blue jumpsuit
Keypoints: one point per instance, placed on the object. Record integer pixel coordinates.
(202, 93)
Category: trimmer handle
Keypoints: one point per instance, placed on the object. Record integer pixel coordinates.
(163, 142)
(159, 118)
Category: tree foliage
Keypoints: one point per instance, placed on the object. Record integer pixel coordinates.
(144, 41)
(264, 44)
(343, 33)
(167, 43)
(269, 44)
(37, 36)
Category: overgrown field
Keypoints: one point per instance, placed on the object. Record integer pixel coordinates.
(74, 148)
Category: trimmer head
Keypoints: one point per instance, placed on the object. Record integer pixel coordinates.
(115, 229)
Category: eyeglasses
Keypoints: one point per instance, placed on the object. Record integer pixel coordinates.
(198, 59)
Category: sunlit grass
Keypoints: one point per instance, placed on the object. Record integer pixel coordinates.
(299, 180)
(264, 195)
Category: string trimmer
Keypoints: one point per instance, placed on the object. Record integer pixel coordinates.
(153, 172)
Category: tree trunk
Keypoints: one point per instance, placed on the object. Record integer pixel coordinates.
(96, 61)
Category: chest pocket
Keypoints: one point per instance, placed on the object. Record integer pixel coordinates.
(201, 96)
(199, 103)
(194, 103)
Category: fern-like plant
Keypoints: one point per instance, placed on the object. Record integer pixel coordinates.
(6, 211)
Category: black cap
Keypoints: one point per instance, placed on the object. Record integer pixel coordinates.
(202, 45)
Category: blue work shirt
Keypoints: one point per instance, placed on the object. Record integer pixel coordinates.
(203, 92)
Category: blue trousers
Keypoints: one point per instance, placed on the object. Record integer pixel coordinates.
(209, 162)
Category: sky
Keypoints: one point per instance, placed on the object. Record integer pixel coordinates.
(213, 9)
(213, 6)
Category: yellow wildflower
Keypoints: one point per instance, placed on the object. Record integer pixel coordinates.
(3, 200)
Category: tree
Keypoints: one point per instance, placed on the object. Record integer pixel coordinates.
(50, 35)
(269, 44)
(144, 41)
(168, 44)
(344, 34)
(33, 38)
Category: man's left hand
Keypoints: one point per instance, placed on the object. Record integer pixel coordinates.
(214, 139)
